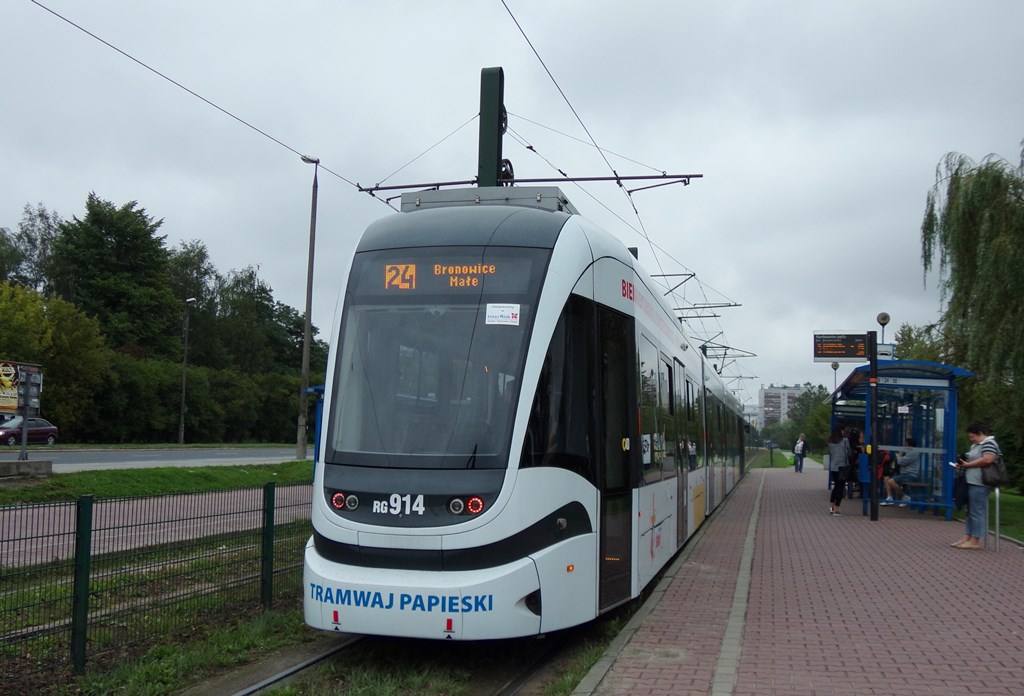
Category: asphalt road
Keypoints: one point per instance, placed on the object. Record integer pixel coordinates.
(66, 460)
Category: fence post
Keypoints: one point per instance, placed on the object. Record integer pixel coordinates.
(267, 564)
(80, 589)
(997, 519)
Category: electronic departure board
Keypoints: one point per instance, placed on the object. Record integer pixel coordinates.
(840, 347)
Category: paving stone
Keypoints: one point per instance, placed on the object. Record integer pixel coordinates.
(835, 605)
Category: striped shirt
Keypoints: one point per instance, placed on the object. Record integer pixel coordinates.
(977, 451)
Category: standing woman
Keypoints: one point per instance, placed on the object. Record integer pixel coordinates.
(799, 452)
(854, 440)
(838, 456)
(984, 450)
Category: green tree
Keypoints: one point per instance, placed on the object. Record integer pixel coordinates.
(804, 403)
(918, 343)
(100, 302)
(192, 274)
(113, 265)
(75, 364)
(24, 332)
(817, 424)
(287, 342)
(812, 413)
(247, 321)
(68, 345)
(974, 225)
(10, 256)
(37, 232)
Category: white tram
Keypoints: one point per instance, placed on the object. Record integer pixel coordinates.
(517, 435)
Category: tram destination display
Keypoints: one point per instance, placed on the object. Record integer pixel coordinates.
(840, 347)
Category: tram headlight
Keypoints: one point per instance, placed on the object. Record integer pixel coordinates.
(456, 506)
(475, 505)
(338, 500)
(352, 502)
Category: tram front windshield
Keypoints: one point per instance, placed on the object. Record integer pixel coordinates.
(430, 354)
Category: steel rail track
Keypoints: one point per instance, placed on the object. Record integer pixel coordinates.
(300, 667)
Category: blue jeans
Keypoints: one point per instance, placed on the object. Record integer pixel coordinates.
(977, 511)
(798, 462)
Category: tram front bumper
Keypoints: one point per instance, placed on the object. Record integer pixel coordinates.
(459, 605)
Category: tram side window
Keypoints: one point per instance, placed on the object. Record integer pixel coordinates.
(680, 416)
(665, 385)
(714, 420)
(668, 432)
(652, 434)
(558, 432)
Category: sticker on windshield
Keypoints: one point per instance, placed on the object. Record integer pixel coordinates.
(505, 314)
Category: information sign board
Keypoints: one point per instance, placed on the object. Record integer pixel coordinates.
(840, 347)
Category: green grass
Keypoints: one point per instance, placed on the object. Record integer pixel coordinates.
(166, 669)
(157, 445)
(763, 459)
(378, 668)
(397, 667)
(1011, 514)
(158, 481)
(586, 656)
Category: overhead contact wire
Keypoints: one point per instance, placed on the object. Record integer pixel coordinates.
(186, 89)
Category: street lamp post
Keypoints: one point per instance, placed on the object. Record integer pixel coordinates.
(184, 372)
(835, 372)
(883, 318)
(300, 438)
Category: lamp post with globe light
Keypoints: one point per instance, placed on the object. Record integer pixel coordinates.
(883, 318)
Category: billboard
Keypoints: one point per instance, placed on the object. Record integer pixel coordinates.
(10, 379)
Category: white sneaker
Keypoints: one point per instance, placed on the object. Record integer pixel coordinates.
(904, 501)
(888, 501)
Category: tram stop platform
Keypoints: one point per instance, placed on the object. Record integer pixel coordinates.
(776, 596)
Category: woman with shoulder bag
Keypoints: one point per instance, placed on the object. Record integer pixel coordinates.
(984, 451)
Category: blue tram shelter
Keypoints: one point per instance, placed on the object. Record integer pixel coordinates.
(916, 399)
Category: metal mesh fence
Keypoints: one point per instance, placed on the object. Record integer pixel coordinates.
(35, 588)
(147, 570)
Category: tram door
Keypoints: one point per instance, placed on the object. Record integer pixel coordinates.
(617, 408)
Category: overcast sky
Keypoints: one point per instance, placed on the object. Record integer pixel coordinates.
(817, 127)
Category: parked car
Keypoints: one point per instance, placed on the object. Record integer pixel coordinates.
(39, 431)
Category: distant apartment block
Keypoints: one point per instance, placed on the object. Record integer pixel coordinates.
(774, 402)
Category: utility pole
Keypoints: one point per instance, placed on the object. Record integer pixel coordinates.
(307, 324)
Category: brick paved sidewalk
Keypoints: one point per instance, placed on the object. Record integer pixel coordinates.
(775, 596)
